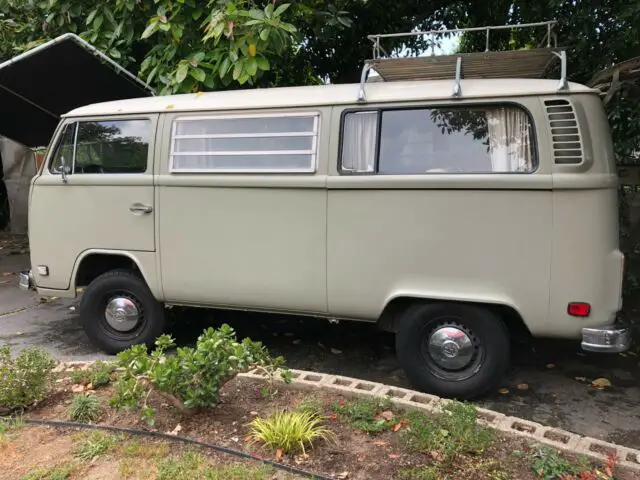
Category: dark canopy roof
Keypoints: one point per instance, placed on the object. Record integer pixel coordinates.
(41, 84)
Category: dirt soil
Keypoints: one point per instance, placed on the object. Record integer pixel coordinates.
(354, 456)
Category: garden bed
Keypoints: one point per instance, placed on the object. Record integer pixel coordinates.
(369, 439)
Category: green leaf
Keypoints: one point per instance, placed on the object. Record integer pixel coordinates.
(91, 16)
(281, 9)
(198, 74)
(109, 15)
(252, 66)
(197, 13)
(165, 27)
(268, 10)
(263, 63)
(237, 70)
(210, 82)
(264, 34)
(150, 30)
(181, 74)
(97, 22)
(115, 53)
(198, 57)
(145, 63)
(224, 67)
(256, 14)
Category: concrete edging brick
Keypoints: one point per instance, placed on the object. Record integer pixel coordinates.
(598, 450)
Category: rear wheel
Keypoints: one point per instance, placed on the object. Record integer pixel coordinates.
(452, 350)
(118, 311)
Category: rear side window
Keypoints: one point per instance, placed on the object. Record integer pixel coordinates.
(244, 144)
(438, 140)
(109, 147)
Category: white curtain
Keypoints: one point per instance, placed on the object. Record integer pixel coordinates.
(509, 140)
(359, 143)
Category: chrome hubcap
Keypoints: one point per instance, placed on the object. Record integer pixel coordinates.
(122, 314)
(450, 348)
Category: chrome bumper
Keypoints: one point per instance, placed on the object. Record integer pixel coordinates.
(610, 339)
(25, 281)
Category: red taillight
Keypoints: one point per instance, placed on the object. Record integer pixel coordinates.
(579, 309)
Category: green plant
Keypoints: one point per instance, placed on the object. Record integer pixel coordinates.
(239, 471)
(193, 377)
(311, 405)
(25, 379)
(84, 408)
(371, 415)
(548, 464)
(185, 468)
(98, 375)
(419, 473)
(95, 444)
(454, 431)
(289, 431)
(53, 473)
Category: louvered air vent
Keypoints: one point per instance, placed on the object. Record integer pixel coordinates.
(565, 132)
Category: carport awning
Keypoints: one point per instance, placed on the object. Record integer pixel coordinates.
(40, 85)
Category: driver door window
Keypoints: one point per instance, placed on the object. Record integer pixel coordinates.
(119, 146)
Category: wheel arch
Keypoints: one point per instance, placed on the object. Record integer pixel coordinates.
(508, 314)
(94, 262)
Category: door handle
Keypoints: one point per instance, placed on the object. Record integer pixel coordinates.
(138, 208)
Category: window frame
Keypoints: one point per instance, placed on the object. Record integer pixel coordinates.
(74, 123)
(313, 152)
(454, 106)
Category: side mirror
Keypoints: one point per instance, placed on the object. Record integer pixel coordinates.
(63, 169)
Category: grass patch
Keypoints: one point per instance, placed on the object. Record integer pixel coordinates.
(289, 431)
(52, 473)
(311, 405)
(371, 415)
(8, 426)
(419, 473)
(192, 465)
(95, 444)
(84, 408)
(453, 432)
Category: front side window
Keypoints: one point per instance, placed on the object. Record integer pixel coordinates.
(64, 150)
(266, 143)
(112, 146)
(439, 140)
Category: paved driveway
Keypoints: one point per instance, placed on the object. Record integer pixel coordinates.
(557, 375)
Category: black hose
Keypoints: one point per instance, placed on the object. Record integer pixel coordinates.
(147, 433)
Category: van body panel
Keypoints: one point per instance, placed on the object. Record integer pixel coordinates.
(258, 241)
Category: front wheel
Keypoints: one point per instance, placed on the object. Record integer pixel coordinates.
(452, 350)
(118, 311)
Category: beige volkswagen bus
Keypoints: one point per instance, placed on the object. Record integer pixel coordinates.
(452, 209)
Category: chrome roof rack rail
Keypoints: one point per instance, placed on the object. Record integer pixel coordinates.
(525, 63)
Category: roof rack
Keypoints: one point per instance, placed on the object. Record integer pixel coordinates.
(531, 63)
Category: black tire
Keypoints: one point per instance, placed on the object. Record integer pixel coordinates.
(124, 283)
(488, 336)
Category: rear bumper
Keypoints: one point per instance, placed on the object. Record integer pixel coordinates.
(609, 339)
(25, 281)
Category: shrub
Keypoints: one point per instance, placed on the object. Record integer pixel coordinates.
(289, 431)
(84, 408)
(25, 379)
(193, 377)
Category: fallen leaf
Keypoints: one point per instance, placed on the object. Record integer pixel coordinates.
(169, 107)
(601, 383)
(581, 379)
(380, 443)
(7, 274)
(633, 354)
(176, 430)
(397, 427)
(336, 351)
(198, 94)
(90, 386)
(18, 333)
(523, 386)
(361, 458)
(394, 455)
(343, 475)
(278, 454)
(387, 415)
(4, 281)
(435, 455)
(503, 391)
(254, 413)
(623, 355)
(333, 416)
(77, 388)
(550, 365)
(297, 341)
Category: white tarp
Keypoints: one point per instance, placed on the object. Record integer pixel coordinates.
(19, 167)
